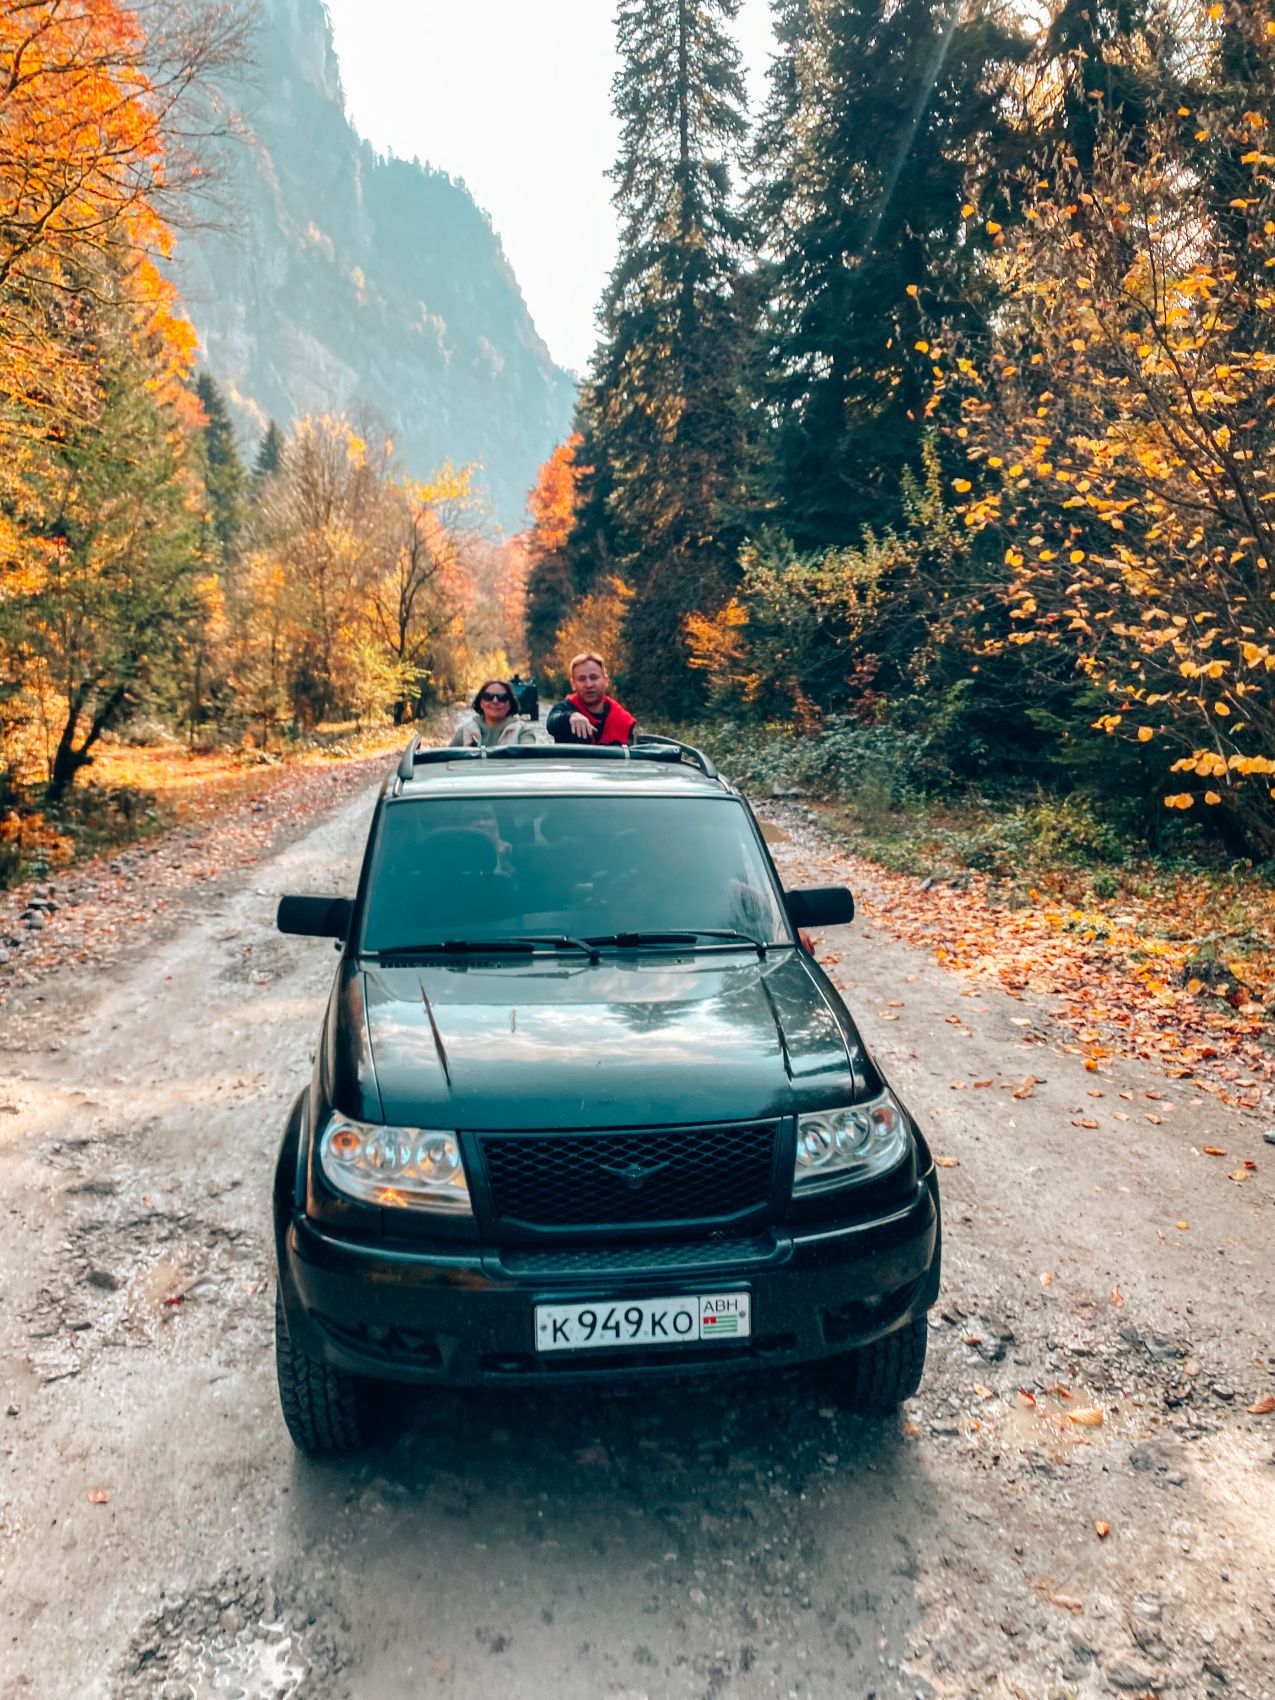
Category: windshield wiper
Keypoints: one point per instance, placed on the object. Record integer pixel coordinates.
(634, 941)
(527, 943)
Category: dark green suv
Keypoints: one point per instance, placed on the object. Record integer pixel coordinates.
(584, 1105)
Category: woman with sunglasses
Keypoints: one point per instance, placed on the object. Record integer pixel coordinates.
(493, 719)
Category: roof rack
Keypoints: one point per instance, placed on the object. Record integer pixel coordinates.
(646, 748)
(685, 752)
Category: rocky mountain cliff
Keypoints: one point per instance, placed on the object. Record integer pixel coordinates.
(345, 279)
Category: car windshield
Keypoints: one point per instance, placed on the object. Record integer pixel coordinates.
(480, 868)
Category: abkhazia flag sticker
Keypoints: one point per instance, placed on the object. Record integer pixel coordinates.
(722, 1315)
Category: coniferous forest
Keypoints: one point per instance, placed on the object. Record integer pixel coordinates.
(932, 416)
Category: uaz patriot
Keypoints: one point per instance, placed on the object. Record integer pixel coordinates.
(584, 1104)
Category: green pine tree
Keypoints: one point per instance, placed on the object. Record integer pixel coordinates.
(225, 480)
(270, 452)
(661, 424)
(883, 118)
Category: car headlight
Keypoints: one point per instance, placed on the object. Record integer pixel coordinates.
(840, 1145)
(404, 1168)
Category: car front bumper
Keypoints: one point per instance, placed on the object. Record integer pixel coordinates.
(465, 1317)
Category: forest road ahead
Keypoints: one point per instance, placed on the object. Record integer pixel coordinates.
(159, 1537)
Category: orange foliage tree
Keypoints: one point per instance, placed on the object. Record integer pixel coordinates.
(98, 117)
(553, 505)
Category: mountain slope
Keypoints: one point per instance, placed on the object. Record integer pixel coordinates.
(347, 279)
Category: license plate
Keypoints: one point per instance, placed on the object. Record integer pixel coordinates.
(709, 1317)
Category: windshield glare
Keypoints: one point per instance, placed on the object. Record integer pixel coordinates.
(495, 868)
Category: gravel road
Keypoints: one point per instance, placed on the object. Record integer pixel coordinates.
(160, 1538)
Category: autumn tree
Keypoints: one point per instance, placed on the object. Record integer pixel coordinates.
(553, 508)
(111, 520)
(430, 533)
(1122, 436)
(661, 424)
(101, 112)
(598, 622)
(324, 521)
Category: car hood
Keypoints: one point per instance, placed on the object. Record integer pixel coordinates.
(624, 1042)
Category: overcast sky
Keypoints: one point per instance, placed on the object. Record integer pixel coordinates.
(513, 96)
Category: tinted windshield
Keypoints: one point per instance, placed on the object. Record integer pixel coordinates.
(494, 867)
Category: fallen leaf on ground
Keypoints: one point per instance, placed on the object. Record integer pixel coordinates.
(1238, 1175)
(947, 1162)
(99, 1496)
(1087, 1419)
(983, 1392)
(1102, 1530)
(1068, 1602)
(978, 1083)
(1116, 1297)
(1025, 1087)
(1083, 1121)
(1264, 1406)
(1214, 1151)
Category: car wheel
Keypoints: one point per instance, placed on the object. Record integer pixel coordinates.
(323, 1407)
(879, 1377)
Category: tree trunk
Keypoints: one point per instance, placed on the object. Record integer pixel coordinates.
(69, 758)
(67, 762)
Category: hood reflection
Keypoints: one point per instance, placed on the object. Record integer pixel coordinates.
(613, 1044)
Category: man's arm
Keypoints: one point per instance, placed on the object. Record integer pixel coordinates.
(558, 725)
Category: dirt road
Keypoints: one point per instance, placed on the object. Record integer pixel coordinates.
(160, 1538)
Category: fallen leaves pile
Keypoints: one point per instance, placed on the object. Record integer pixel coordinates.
(1119, 989)
(92, 911)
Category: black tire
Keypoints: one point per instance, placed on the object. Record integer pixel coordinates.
(878, 1378)
(323, 1407)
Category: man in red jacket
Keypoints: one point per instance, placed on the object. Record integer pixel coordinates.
(589, 715)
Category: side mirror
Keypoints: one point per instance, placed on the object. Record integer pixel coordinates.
(315, 917)
(819, 906)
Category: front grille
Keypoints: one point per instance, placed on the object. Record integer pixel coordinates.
(639, 1259)
(698, 1174)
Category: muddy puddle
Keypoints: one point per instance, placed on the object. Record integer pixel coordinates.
(1062, 1421)
(262, 1662)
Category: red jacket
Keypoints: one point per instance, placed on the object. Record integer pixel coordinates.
(614, 725)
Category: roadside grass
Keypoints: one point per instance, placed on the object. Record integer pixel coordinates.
(1213, 919)
(134, 792)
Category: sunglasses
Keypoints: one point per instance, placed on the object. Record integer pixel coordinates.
(494, 696)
